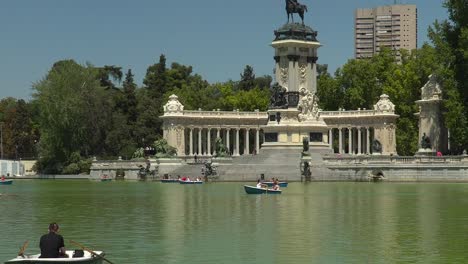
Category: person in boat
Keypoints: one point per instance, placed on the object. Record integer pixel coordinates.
(3, 178)
(51, 244)
(259, 184)
(276, 185)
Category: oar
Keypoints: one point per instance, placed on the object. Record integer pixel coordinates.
(90, 251)
(23, 248)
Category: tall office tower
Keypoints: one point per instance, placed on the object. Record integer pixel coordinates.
(395, 27)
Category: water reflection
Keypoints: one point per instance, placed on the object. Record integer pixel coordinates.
(137, 222)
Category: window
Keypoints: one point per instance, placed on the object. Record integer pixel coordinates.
(316, 137)
(271, 137)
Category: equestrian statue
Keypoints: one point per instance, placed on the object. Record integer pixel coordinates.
(292, 6)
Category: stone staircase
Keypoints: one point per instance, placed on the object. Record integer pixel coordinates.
(283, 164)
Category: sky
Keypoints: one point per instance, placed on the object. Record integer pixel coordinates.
(217, 38)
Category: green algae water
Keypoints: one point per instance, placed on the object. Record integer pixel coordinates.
(151, 222)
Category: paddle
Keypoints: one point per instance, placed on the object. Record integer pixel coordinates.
(23, 248)
(90, 251)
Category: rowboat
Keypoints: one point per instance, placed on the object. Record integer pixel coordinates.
(105, 177)
(6, 182)
(255, 190)
(169, 180)
(87, 258)
(190, 182)
(281, 184)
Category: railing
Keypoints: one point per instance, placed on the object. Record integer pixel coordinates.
(395, 159)
(344, 113)
(224, 114)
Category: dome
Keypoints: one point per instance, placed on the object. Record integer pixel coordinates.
(295, 31)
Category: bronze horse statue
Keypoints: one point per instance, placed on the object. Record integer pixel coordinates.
(292, 6)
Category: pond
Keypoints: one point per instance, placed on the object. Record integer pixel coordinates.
(152, 222)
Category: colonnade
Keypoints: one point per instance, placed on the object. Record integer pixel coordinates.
(359, 139)
(202, 140)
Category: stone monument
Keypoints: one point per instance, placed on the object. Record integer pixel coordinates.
(294, 112)
(432, 131)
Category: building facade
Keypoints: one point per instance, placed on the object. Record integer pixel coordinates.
(394, 27)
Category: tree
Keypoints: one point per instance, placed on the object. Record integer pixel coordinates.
(130, 101)
(156, 79)
(450, 39)
(328, 90)
(73, 114)
(107, 73)
(247, 81)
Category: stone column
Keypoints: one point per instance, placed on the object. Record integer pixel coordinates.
(247, 141)
(350, 140)
(340, 148)
(237, 142)
(368, 140)
(209, 142)
(199, 141)
(218, 132)
(228, 143)
(257, 141)
(359, 141)
(191, 141)
(330, 138)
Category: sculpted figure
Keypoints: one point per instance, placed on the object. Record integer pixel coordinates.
(292, 6)
(425, 142)
(376, 146)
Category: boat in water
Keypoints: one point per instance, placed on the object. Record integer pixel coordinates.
(281, 184)
(105, 177)
(169, 180)
(6, 182)
(87, 258)
(190, 182)
(255, 190)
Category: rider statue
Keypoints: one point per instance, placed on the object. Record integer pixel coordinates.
(293, 6)
(294, 3)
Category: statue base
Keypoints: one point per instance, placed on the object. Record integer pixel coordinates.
(425, 152)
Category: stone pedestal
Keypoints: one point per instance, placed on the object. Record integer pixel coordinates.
(426, 152)
(294, 114)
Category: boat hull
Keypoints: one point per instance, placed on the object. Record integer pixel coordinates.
(169, 180)
(106, 180)
(281, 184)
(254, 190)
(6, 182)
(34, 259)
(190, 182)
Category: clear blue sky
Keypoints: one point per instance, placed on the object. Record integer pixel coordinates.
(217, 38)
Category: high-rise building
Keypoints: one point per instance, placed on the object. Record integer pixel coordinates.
(394, 26)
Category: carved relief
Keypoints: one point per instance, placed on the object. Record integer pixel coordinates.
(173, 106)
(431, 90)
(179, 136)
(384, 105)
(284, 68)
(302, 71)
(308, 105)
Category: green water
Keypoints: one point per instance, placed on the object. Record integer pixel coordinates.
(136, 222)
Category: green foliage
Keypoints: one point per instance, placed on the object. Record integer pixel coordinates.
(450, 39)
(73, 114)
(247, 81)
(19, 133)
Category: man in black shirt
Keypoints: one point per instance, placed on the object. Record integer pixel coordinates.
(51, 244)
